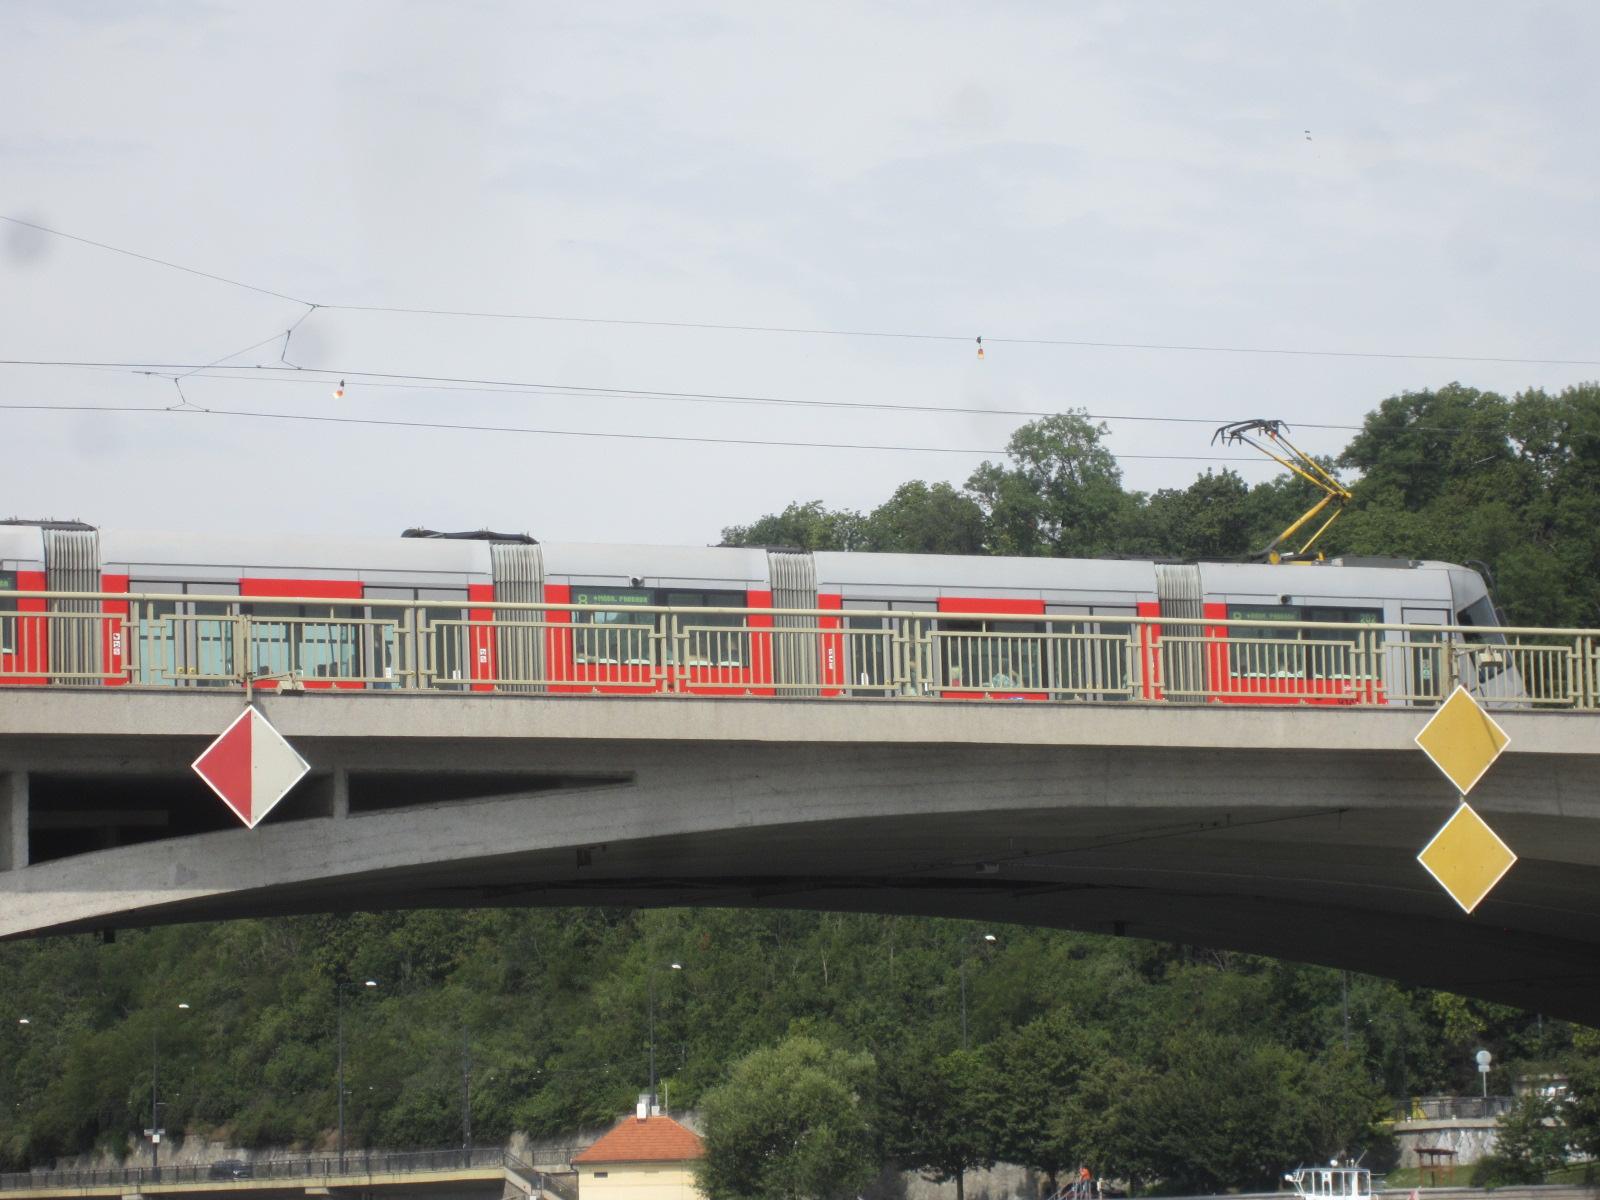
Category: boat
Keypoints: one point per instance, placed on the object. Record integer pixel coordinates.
(1336, 1181)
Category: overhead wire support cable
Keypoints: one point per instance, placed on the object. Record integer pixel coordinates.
(296, 373)
(1078, 343)
(150, 258)
(728, 327)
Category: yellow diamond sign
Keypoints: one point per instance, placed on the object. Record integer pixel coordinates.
(1467, 857)
(1462, 740)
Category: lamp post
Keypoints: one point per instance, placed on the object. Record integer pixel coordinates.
(988, 940)
(155, 1132)
(466, 1097)
(340, 988)
(24, 1026)
(676, 967)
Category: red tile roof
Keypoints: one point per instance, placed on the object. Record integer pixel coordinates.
(654, 1139)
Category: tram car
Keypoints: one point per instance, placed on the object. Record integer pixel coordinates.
(742, 620)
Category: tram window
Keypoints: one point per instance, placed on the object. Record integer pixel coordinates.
(1333, 661)
(183, 641)
(1266, 650)
(715, 639)
(310, 641)
(8, 613)
(1481, 613)
(617, 633)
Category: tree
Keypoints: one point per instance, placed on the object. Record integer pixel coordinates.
(1061, 497)
(791, 1123)
(810, 526)
(1530, 1142)
(1582, 1109)
(943, 1115)
(1218, 1111)
(919, 519)
(1463, 475)
(1043, 1107)
(1209, 519)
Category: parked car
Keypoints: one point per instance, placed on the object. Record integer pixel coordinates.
(231, 1168)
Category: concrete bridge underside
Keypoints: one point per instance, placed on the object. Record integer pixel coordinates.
(1289, 832)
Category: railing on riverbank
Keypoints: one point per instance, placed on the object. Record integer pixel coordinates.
(91, 639)
(321, 1167)
(1454, 1108)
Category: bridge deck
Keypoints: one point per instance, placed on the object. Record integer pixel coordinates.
(1286, 831)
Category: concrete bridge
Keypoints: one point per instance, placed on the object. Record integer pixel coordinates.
(1286, 831)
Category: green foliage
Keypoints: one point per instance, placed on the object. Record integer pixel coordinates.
(1083, 1048)
(919, 519)
(1459, 474)
(1531, 1142)
(1062, 496)
(1209, 519)
(802, 527)
(1048, 1114)
(1581, 1112)
(1220, 1110)
(943, 1112)
(791, 1123)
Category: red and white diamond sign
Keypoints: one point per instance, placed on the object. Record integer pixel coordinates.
(250, 766)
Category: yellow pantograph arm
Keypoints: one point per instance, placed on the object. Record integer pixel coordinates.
(1293, 459)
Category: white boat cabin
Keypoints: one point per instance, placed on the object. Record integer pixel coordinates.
(1331, 1183)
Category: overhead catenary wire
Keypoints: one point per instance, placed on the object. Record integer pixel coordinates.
(798, 330)
(463, 427)
(1078, 343)
(273, 373)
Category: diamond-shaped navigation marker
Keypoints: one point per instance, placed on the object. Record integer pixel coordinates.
(1467, 857)
(250, 766)
(1462, 740)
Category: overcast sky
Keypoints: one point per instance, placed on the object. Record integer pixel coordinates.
(1391, 178)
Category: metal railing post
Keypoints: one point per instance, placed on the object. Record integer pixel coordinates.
(239, 634)
(903, 647)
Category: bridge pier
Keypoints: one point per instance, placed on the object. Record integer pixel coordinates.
(339, 794)
(13, 820)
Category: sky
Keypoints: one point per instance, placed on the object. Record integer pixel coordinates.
(1405, 190)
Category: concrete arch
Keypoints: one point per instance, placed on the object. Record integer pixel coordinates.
(1290, 832)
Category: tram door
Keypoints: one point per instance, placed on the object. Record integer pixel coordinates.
(438, 645)
(881, 655)
(1090, 661)
(1426, 666)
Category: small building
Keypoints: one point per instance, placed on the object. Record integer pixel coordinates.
(642, 1157)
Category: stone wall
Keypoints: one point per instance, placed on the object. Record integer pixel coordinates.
(1470, 1137)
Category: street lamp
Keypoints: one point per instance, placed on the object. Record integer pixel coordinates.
(340, 987)
(988, 940)
(156, 1103)
(676, 967)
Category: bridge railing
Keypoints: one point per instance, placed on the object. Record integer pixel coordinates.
(470, 647)
(310, 1167)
